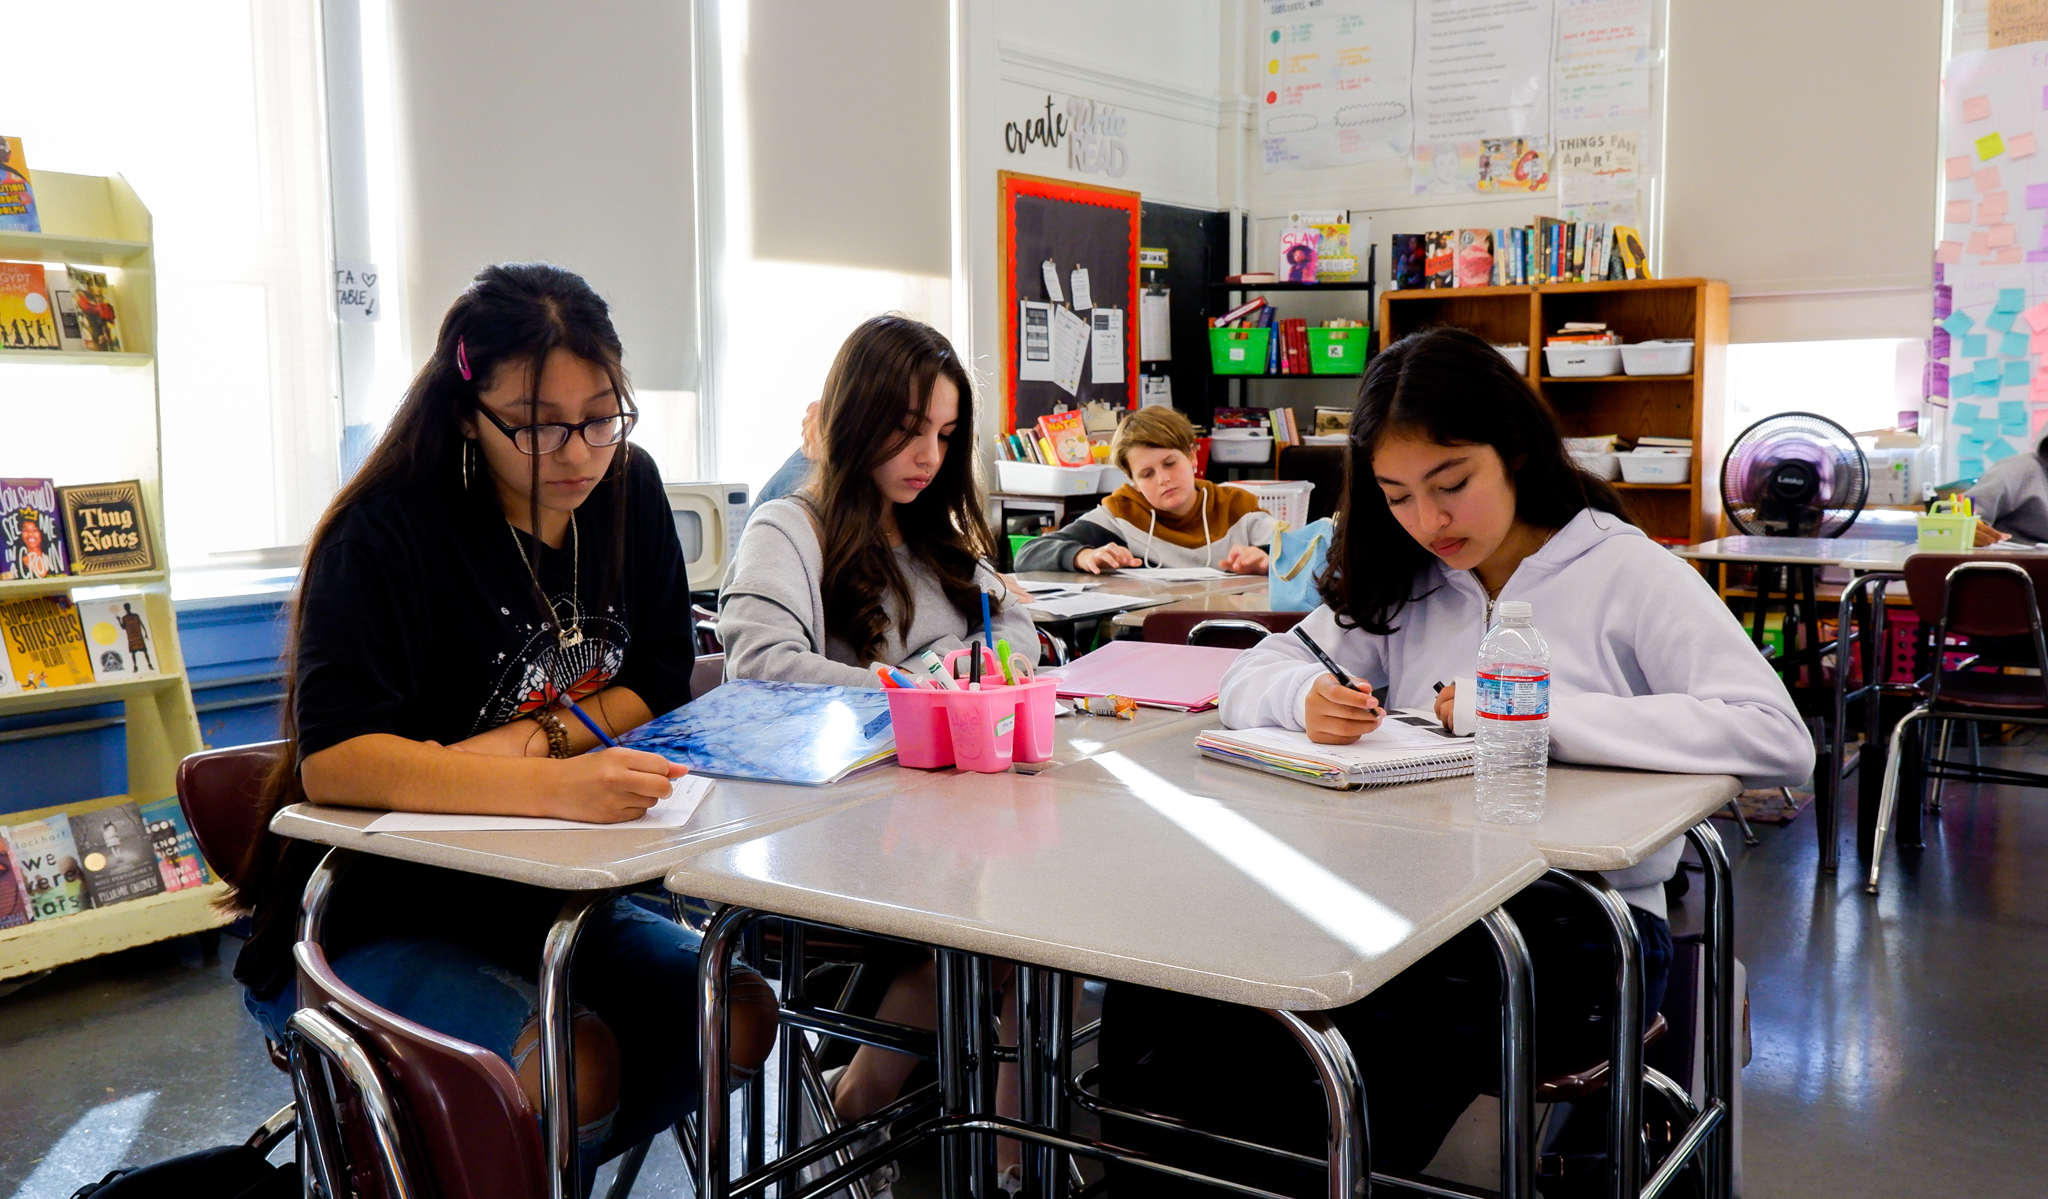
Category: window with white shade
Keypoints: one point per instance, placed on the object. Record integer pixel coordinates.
(211, 111)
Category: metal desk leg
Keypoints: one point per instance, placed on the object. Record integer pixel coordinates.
(1718, 978)
(1517, 1058)
(955, 1071)
(1059, 1063)
(790, 1095)
(1625, 1059)
(714, 1117)
(981, 1033)
(1344, 1090)
(1035, 1091)
(557, 1043)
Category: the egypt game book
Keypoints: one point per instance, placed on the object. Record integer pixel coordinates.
(27, 322)
(115, 854)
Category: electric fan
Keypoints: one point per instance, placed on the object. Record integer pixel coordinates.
(1795, 474)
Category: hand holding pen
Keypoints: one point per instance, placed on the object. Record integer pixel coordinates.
(1340, 709)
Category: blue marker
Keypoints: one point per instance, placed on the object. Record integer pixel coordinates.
(589, 723)
(987, 634)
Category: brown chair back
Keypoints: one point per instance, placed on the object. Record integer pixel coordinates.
(708, 672)
(1174, 627)
(464, 1128)
(1987, 603)
(221, 791)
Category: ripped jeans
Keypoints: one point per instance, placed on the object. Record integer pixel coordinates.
(634, 970)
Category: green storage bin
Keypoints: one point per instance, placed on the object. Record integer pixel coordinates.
(1338, 351)
(1238, 351)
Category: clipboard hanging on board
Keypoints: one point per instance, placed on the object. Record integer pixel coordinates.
(1063, 245)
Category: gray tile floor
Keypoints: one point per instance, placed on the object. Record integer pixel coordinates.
(1900, 1042)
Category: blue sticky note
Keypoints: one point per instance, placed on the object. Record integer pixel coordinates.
(1988, 369)
(1973, 345)
(2010, 299)
(1970, 447)
(1958, 323)
(1998, 451)
(2012, 410)
(1987, 387)
(2001, 321)
(1964, 415)
(1986, 427)
(2016, 375)
(1969, 468)
(2013, 345)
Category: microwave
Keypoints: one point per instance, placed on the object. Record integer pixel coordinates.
(709, 517)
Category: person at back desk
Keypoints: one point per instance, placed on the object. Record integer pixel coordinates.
(2012, 498)
(1164, 516)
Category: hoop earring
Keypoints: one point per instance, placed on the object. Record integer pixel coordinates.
(468, 461)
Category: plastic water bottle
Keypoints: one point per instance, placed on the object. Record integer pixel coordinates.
(1513, 710)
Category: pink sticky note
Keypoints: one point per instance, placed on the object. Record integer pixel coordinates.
(1959, 167)
(2001, 235)
(2037, 418)
(2036, 317)
(1993, 203)
(1949, 252)
(1958, 212)
(1988, 181)
(1976, 108)
(2009, 256)
(2019, 145)
(1980, 242)
(2038, 344)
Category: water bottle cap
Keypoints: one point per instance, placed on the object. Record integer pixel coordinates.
(1515, 611)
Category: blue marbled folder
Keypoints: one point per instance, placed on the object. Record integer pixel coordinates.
(805, 733)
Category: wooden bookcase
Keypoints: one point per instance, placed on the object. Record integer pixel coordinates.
(96, 221)
(1631, 405)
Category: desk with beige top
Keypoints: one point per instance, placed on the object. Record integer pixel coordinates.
(1138, 592)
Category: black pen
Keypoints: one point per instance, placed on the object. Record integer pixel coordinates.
(1343, 680)
(1437, 687)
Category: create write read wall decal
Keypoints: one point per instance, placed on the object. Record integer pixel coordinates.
(1090, 135)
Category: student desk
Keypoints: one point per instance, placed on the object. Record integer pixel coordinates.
(1594, 819)
(1294, 910)
(1140, 592)
(1254, 600)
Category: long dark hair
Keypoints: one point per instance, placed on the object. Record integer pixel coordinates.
(511, 317)
(1453, 388)
(876, 396)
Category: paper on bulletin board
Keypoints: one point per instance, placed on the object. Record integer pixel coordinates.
(1155, 391)
(1481, 70)
(1069, 349)
(1051, 271)
(1155, 325)
(1333, 83)
(2014, 22)
(1034, 341)
(1084, 299)
(1600, 75)
(1108, 351)
(1596, 177)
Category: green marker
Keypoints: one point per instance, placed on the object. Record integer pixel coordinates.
(1003, 658)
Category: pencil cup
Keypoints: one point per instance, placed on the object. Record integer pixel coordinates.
(977, 730)
(924, 738)
(1033, 739)
(984, 728)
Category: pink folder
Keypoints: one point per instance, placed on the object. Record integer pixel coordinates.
(1156, 674)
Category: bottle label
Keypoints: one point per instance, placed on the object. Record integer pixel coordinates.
(1504, 696)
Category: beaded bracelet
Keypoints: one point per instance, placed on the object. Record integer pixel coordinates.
(558, 737)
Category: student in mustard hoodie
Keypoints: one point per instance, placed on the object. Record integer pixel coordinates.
(1164, 516)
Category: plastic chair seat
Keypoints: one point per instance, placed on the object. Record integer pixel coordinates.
(1569, 1088)
(2000, 694)
(1173, 627)
(221, 791)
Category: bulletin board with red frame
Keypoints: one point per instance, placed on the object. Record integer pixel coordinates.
(1071, 225)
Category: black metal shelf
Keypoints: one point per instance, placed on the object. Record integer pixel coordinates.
(1365, 286)
(1329, 375)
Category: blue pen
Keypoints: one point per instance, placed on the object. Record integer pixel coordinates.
(987, 633)
(589, 723)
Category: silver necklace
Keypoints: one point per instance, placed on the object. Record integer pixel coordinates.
(570, 631)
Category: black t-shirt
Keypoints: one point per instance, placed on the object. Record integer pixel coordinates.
(420, 620)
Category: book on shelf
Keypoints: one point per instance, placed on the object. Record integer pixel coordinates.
(1407, 258)
(14, 909)
(45, 645)
(1635, 261)
(115, 855)
(1333, 422)
(177, 850)
(27, 321)
(1235, 317)
(1335, 263)
(1440, 257)
(1238, 418)
(1068, 436)
(48, 859)
(1298, 254)
(32, 544)
(17, 192)
(97, 318)
(1474, 266)
(1252, 277)
(106, 528)
(119, 639)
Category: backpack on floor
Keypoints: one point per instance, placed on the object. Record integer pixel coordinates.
(229, 1172)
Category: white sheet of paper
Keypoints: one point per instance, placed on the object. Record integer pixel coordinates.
(1108, 350)
(1034, 341)
(1174, 574)
(1155, 390)
(1052, 282)
(1155, 326)
(1082, 605)
(1053, 588)
(1069, 349)
(673, 812)
(1078, 284)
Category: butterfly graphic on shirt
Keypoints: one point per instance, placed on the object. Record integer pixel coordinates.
(541, 670)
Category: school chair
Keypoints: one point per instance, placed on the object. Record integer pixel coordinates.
(1976, 596)
(1231, 630)
(221, 792)
(706, 622)
(708, 672)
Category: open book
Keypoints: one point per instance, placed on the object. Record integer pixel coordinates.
(1408, 747)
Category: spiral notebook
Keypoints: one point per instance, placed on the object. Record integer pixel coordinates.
(1408, 747)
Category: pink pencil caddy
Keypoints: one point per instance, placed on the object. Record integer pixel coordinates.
(981, 730)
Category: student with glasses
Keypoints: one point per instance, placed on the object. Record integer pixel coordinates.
(503, 547)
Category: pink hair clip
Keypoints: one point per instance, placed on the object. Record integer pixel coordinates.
(462, 357)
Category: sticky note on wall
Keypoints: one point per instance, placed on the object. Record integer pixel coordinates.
(1957, 212)
(1958, 323)
(2019, 145)
(2013, 345)
(1990, 146)
(2010, 299)
(1949, 252)
(1988, 180)
(1973, 345)
(1976, 108)
(1957, 168)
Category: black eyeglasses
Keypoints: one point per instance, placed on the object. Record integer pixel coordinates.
(546, 439)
